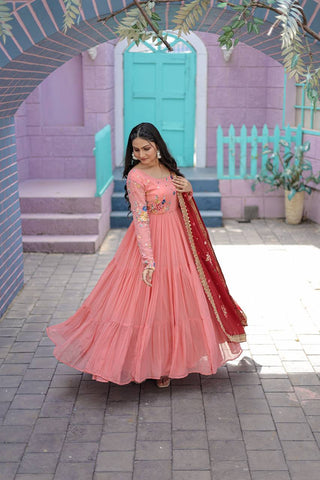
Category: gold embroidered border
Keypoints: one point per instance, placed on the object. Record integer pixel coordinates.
(233, 338)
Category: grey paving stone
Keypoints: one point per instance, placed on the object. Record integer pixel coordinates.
(44, 362)
(155, 470)
(21, 417)
(266, 460)
(91, 400)
(265, 440)
(13, 369)
(230, 470)
(314, 422)
(189, 439)
(126, 423)
(14, 357)
(67, 394)
(127, 393)
(186, 420)
(34, 386)
(66, 381)
(294, 431)
(45, 442)
(79, 452)
(11, 452)
(287, 399)
(224, 429)
(219, 385)
(24, 347)
(302, 470)
(14, 433)
(51, 425)
(74, 471)
(84, 433)
(153, 450)
(93, 416)
(194, 475)
(115, 462)
(277, 385)
(7, 394)
(191, 460)
(253, 406)
(311, 407)
(256, 422)
(39, 374)
(31, 402)
(154, 414)
(117, 441)
(29, 337)
(154, 431)
(288, 414)
(122, 408)
(272, 475)
(44, 352)
(301, 450)
(4, 407)
(61, 409)
(248, 391)
(112, 476)
(38, 463)
(227, 450)
(8, 471)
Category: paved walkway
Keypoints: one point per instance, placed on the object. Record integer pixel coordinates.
(258, 418)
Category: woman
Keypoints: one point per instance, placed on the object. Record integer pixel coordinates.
(161, 309)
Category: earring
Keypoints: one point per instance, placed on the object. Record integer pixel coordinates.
(133, 157)
(158, 154)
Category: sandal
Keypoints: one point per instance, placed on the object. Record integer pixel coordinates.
(163, 382)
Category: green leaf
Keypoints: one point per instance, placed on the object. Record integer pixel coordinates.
(222, 5)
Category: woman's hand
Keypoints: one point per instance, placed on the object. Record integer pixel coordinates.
(182, 184)
(147, 276)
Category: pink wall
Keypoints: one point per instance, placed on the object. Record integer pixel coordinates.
(246, 90)
(55, 126)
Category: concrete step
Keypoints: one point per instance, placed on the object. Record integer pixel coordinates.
(120, 219)
(60, 224)
(59, 196)
(198, 184)
(60, 243)
(205, 201)
(211, 218)
(60, 205)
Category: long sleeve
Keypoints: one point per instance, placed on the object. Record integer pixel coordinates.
(140, 214)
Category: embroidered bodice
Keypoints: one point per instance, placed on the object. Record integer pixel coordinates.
(149, 196)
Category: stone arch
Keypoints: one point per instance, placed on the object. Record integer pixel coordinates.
(37, 47)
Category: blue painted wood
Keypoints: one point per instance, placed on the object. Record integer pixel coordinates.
(232, 140)
(102, 152)
(254, 151)
(151, 95)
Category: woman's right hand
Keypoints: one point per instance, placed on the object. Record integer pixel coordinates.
(147, 276)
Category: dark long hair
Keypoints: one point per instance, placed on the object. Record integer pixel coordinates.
(148, 132)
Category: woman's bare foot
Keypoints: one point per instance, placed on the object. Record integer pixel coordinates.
(163, 382)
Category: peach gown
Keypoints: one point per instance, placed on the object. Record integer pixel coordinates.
(126, 331)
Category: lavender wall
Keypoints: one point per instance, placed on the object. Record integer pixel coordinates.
(246, 90)
(56, 124)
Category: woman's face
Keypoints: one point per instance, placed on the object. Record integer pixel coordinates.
(145, 151)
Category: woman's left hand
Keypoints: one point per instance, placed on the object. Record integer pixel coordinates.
(182, 184)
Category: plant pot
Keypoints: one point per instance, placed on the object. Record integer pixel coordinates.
(294, 207)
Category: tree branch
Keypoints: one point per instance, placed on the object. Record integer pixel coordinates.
(143, 13)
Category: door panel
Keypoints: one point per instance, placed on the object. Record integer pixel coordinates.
(159, 88)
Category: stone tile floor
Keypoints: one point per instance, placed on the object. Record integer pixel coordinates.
(258, 418)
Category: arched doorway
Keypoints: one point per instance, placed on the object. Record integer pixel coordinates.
(198, 114)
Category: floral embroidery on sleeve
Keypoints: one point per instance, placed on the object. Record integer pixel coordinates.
(137, 197)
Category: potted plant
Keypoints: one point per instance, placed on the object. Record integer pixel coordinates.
(292, 172)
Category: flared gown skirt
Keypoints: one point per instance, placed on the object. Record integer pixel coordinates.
(126, 331)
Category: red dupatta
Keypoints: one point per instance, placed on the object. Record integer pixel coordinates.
(230, 317)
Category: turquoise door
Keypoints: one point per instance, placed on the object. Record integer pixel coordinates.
(159, 87)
